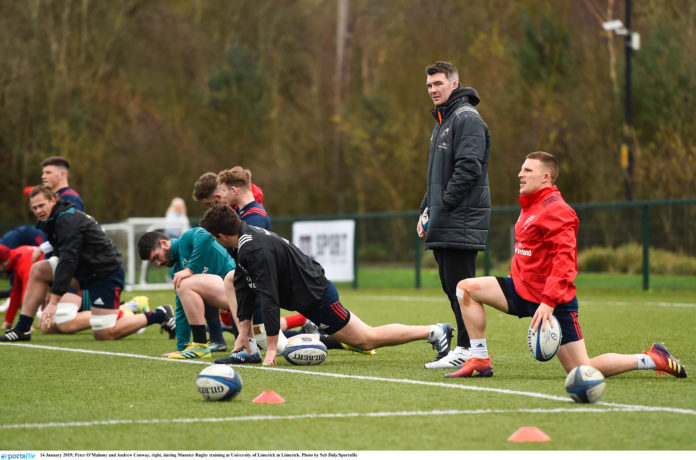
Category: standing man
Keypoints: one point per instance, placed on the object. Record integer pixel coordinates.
(541, 283)
(54, 175)
(85, 258)
(456, 208)
(276, 272)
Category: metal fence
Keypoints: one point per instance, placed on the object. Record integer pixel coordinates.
(389, 238)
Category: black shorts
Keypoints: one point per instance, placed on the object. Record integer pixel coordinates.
(106, 292)
(566, 314)
(329, 316)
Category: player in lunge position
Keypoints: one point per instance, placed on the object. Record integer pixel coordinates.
(541, 282)
(279, 274)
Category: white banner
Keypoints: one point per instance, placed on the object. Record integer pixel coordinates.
(329, 242)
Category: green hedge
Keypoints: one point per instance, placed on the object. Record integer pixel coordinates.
(629, 259)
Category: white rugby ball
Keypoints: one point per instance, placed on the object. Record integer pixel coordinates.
(585, 384)
(544, 344)
(219, 382)
(305, 350)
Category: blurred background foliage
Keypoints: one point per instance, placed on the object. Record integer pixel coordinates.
(143, 96)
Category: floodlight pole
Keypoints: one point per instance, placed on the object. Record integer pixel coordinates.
(627, 147)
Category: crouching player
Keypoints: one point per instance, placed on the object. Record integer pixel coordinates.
(541, 283)
(278, 273)
(86, 258)
(198, 267)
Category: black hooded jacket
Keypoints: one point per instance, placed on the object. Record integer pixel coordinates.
(458, 195)
(84, 251)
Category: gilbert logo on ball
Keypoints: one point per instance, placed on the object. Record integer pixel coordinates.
(305, 350)
(219, 382)
(544, 344)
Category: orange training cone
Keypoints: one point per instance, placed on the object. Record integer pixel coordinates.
(529, 434)
(270, 397)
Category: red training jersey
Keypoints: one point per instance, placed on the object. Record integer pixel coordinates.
(20, 264)
(544, 265)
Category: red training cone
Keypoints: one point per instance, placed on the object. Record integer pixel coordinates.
(270, 397)
(529, 434)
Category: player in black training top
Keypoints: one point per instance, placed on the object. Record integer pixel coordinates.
(276, 272)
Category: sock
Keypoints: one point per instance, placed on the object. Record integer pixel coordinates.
(295, 320)
(198, 333)
(226, 318)
(212, 318)
(24, 323)
(645, 362)
(434, 329)
(479, 349)
(330, 342)
(155, 316)
(253, 346)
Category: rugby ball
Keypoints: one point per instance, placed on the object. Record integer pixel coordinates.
(544, 344)
(585, 384)
(305, 350)
(219, 382)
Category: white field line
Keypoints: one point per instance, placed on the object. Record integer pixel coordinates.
(609, 406)
(243, 418)
(443, 300)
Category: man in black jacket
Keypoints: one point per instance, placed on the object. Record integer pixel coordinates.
(276, 272)
(456, 207)
(85, 257)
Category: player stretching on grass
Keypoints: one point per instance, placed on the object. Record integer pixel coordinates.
(86, 258)
(278, 273)
(198, 267)
(541, 283)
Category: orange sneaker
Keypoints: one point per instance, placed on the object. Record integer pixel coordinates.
(474, 367)
(665, 363)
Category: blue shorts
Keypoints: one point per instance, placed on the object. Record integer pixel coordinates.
(566, 313)
(105, 292)
(329, 316)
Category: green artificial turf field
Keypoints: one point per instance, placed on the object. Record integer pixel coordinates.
(70, 392)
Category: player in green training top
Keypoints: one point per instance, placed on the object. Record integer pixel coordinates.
(198, 268)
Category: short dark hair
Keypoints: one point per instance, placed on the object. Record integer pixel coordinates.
(41, 189)
(56, 161)
(445, 67)
(221, 220)
(547, 160)
(205, 186)
(148, 242)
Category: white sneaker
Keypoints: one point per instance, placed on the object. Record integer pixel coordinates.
(5, 305)
(455, 359)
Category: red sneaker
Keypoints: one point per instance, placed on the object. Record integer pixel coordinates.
(665, 363)
(474, 367)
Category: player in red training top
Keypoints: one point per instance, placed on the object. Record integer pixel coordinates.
(541, 282)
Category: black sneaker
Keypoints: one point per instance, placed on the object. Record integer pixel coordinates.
(240, 357)
(169, 324)
(13, 335)
(309, 328)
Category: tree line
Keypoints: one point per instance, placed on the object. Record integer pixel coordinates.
(325, 101)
